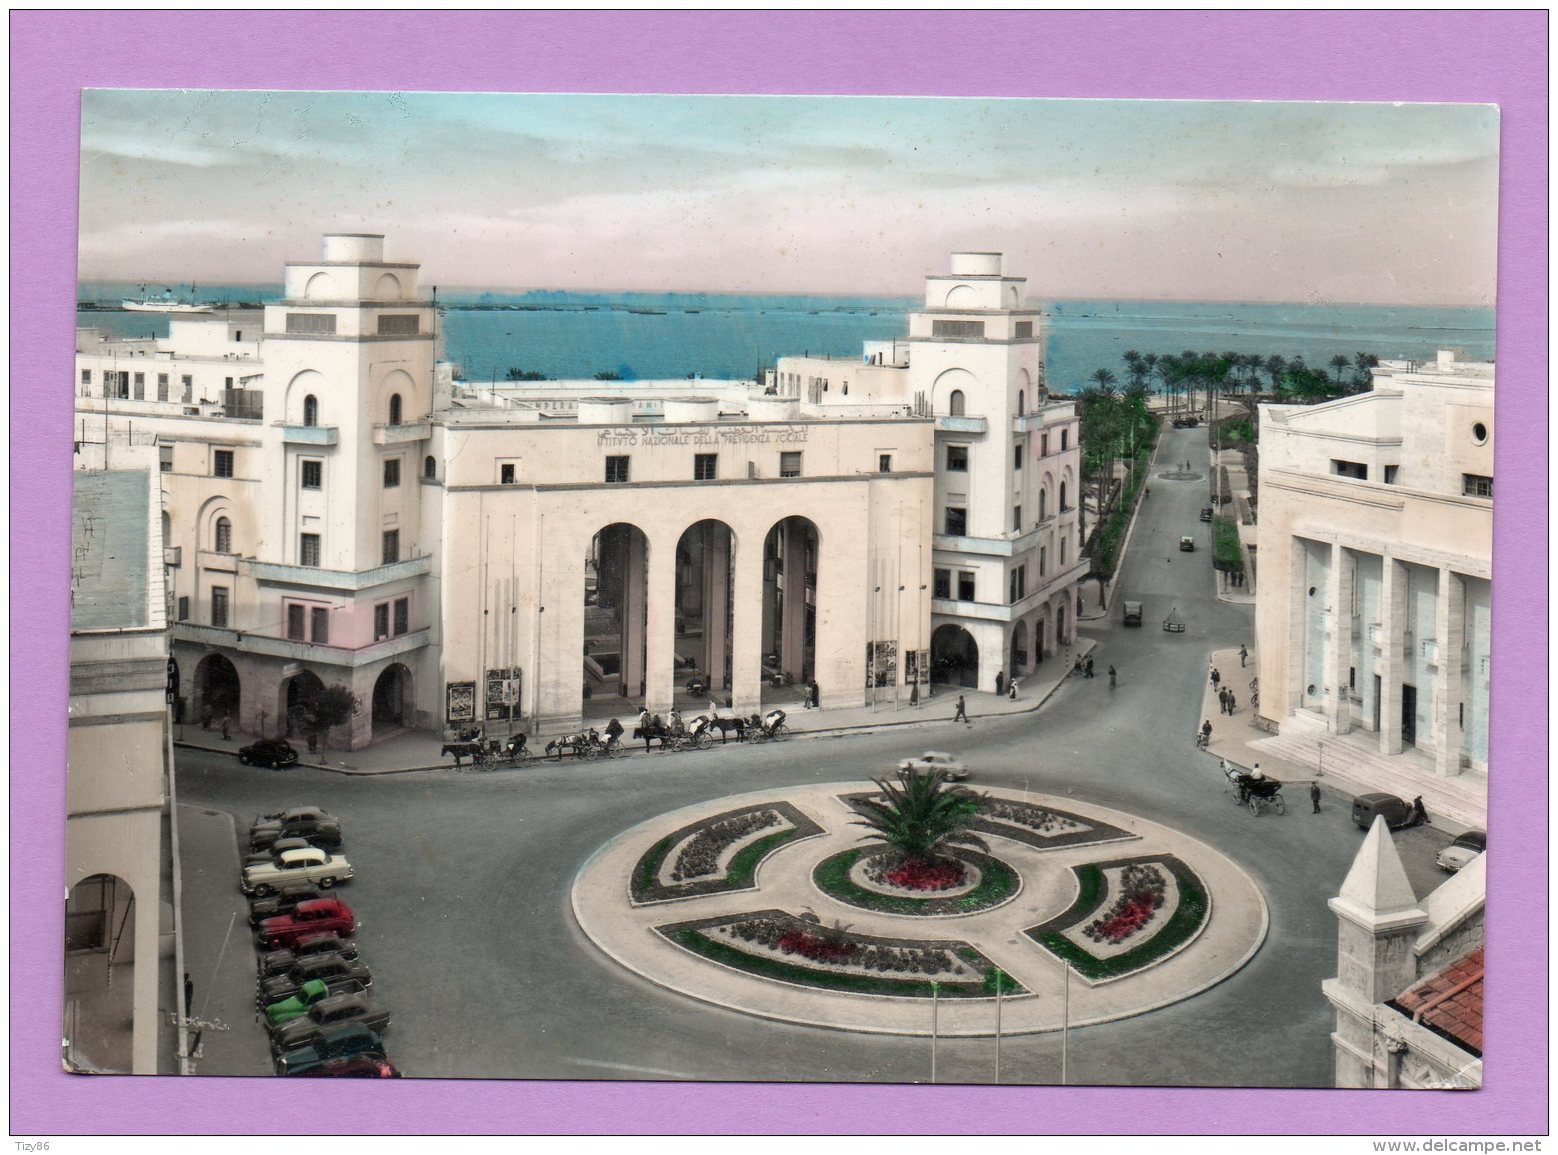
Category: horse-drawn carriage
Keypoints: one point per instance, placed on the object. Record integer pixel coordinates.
(586, 744)
(671, 735)
(487, 753)
(1255, 790)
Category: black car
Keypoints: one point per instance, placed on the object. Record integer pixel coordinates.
(333, 1042)
(327, 968)
(324, 834)
(276, 849)
(284, 901)
(344, 1008)
(275, 962)
(272, 752)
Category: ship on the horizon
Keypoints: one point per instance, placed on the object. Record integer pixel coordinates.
(167, 303)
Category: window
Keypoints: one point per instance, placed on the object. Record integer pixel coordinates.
(310, 410)
(1017, 584)
(319, 619)
(237, 334)
(957, 458)
(429, 468)
(162, 386)
(1065, 543)
(1390, 474)
(616, 470)
(1022, 400)
(1063, 506)
(140, 386)
(391, 472)
(229, 381)
(1479, 433)
(311, 323)
(308, 549)
(313, 474)
(394, 409)
(86, 376)
(789, 465)
(1016, 519)
(1475, 485)
(165, 458)
(1017, 454)
(1023, 329)
(391, 546)
(965, 586)
(398, 325)
(381, 621)
(884, 462)
(183, 609)
(188, 384)
(121, 385)
(705, 466)
(943, 586)
(1043, 560)
(222, 463)
(957, 328)
(1065, 439)
(224, 535)
(1356, 470)
(1044, 445)
(957, 521)
(505, 473)
(219, 605)
(955, 403)
(402, 615)
(297, 620)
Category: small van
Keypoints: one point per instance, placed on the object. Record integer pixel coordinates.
(1366, 807)
(1133, 613)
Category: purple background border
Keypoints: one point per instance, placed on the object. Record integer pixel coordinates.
(1404, 56)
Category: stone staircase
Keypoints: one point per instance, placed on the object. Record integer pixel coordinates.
(1354, 762)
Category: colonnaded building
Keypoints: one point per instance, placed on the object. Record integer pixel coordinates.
(1375, 541)
(338, 509)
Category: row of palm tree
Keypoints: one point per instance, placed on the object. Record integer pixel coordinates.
(1181, 376)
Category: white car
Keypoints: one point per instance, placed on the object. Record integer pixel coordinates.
(951, 766)
(1463, 850)
(308, 864)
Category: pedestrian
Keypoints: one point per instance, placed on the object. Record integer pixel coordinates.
(1314, 795)
(226, 718)
(962, 712)
(1000, 681)
(1419, 813)
(1087, 667)
(1011, 690)
(1216, 677)
(1206, 732)
(1222, 701)
(1111, 677)
(1243, 655)
(816, 695)
(1233, 703)
(189, 995)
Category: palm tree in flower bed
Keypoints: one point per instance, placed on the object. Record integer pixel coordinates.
(923, 818)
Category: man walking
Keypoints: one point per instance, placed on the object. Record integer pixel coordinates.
(962, 712)
(1233, 703)
(1216, 677)
(1314, 795)
(1087, 667)
(1243, 655)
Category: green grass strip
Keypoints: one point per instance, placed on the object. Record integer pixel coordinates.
(743, 865)
(996, 883)
(1181, 926)
(649, 866)
(765, 967)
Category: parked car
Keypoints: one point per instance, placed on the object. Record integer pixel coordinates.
(325, 967)
(275, 962)
(1206, 513)
(325, 834)
(334, 1042)
(276, 850)
(296, 814)
(307, 919)
(1398, 814)
(326, 1013)
(273, 752)
(1187, 544)
(309, 994)
(1132, 613)
(949, 765)
(365, 1066)
(309, 864)
(1465, 848)
(285, 899)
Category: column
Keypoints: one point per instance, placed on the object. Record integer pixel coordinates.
(746, 644)
(1449, 630)
(1338, 655)
(793, 659)
(1297, 650)
(634, 569)
(717, 545)
(1393, 623)
(148, 959)
(660, 629)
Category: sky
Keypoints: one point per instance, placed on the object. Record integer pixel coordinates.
(1240, 201)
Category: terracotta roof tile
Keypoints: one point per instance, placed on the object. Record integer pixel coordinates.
(1456, 1015)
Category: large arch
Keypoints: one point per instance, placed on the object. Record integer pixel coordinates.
(294, 705)
(1063, 621)
(791, 551)
(1041, 636)
(616, 612)
(320, 287)
(961, 297)
(392, 698)
(100, 935)
(1017, 659)
(947, 383)
(397, 398)
(387, 288)
(705, 605)
(954, 657)
(218, 692)
(306, 384)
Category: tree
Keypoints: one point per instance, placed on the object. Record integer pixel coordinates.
(1105, 380)
(1274, 368)
(1339, 365)
(924, 815)
(327, 708)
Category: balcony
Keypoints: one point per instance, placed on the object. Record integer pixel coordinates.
(1028, 422)
(316, 577)
(402, 434)
(212, 560)
(947, 424)
(248, 642)
(309, 434)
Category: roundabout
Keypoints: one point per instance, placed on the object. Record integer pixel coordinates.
(779, 904)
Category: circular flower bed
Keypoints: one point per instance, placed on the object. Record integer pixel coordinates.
(877, 880)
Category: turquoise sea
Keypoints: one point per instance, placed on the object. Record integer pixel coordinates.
(568, 334)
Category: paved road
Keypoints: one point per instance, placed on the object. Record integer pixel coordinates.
(462, 879)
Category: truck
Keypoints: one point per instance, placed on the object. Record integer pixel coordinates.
(1133, 613)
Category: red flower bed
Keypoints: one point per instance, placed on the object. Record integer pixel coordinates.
(815, 948)
(918, 875)
(1143, 888)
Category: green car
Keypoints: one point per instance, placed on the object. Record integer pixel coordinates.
(310, 993)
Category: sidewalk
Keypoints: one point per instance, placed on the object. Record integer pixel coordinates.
(409, 752)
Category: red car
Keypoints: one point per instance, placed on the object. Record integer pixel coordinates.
(369, 1066)
(307, 918)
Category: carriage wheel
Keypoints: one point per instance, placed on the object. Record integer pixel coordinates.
(1279, 805)
(781, 732)
(705, 740)
(1255, 806)
(614, 749)
(588, 752)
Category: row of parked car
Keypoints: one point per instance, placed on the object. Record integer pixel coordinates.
(314, 991)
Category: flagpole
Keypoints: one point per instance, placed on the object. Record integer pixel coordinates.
(934, 1013)
(1065, 1023)
(998, 1025)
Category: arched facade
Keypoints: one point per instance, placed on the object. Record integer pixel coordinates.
(705, 606)
(393, 700)
(791, 553)
(1017, 655)
(616, 602)
(222, 535)
(304, 387)
(954, 657)
(101, 931)
(320, 287)
(294, 702)
(430, 467)
(952, 386)
(218, 693)
(388, 288)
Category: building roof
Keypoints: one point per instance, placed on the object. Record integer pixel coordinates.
(109, 563)
(1450, 1002)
